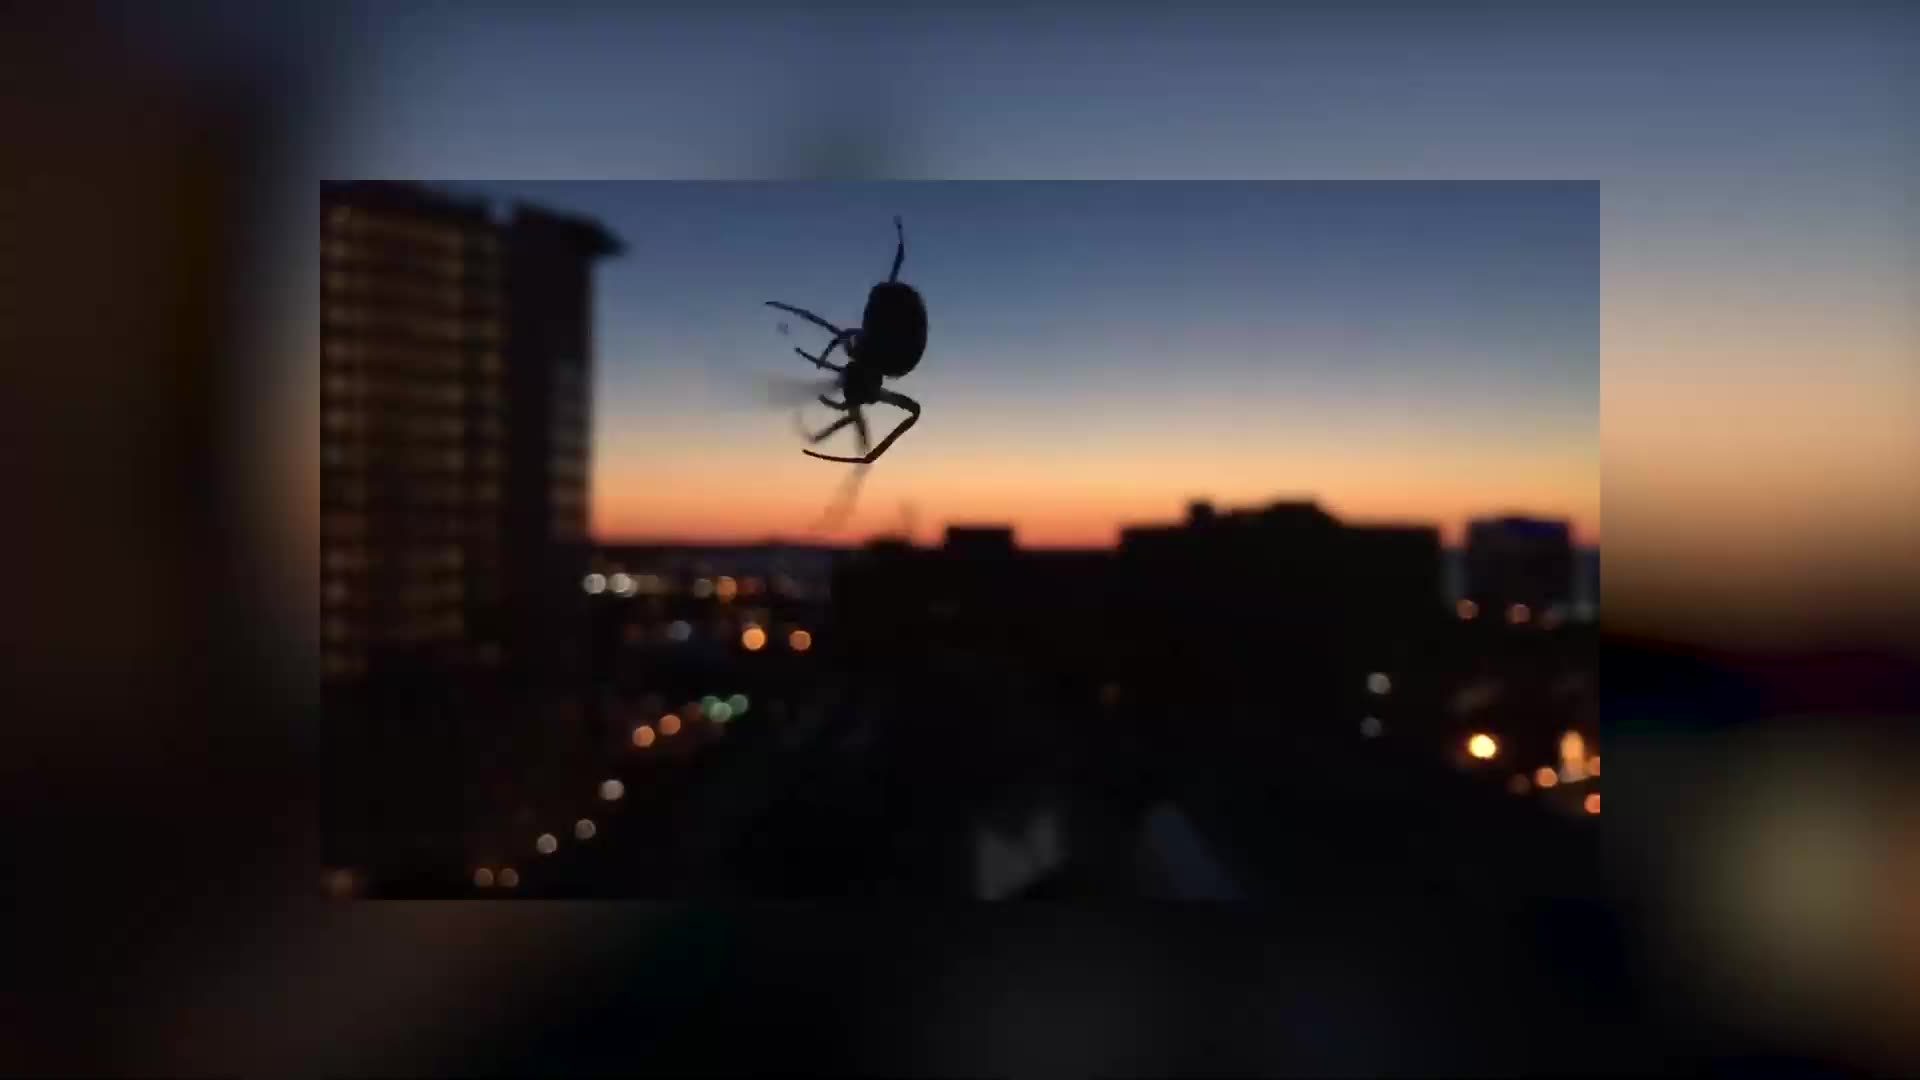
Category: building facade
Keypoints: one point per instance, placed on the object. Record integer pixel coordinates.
(455, 375)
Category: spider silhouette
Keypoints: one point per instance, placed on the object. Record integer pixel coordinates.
(887, 344)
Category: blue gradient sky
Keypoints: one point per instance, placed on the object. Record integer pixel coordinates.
(1760, 255)
(1240, 339)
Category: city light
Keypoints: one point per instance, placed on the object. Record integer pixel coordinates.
(707, 704)
(612, 790)
(737, 704)
(1371, 727)
(1592, 803)
(643, 736)
(725, 589)
(621, 584)
(702, 588)
(546, 844)
(670, 724)
(722, 712)
(1467, 609)
(483, 878)
(679, 630)
(753, 639)
(1378, 683)
(341, 883)
(509, 878)
(1482, 746)
(1593, 765)
(1545, 777)
(1573, 757)
(799, 641)
(1518, 784)
(1519, 613)
(584, 829)
(594, 584)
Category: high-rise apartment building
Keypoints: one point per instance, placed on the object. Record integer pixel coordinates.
(456, 359)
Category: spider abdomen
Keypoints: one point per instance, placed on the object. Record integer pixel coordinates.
(893, 331)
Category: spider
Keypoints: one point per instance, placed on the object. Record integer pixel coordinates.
(887, 344)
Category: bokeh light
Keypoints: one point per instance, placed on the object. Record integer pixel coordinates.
(702, 588)
(1545, 777)
(1467, 609)
(737, 704)
(483, 878)
(1519, 613)
(1372, 728)
(1378, 683)
(643, 736)
(594, 584)
(679, 630)
(621, 584)
(1573, 757)
(1518, 784)
(722, 712)
(612, 790)
(1592, 803)
(670, 724)
(753, 638)
(1482, 746)
(799, 641)
(546, 844)
(726, 589)
(584, 829)
(509, 878)
(707, 704)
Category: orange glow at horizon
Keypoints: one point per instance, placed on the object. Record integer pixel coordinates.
(634, 503)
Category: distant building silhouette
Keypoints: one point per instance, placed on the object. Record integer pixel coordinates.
(1221, 597)
(455, 365)
(1519, 567)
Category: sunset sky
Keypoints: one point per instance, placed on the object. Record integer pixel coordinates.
(1100, 352)
(1759, 277)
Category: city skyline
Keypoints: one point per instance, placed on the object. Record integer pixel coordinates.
(1102, 353)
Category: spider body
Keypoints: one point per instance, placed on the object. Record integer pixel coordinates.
(893, 330)
(888, 343)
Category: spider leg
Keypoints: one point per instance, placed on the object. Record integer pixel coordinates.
(850, 417)
(901, 401)
(842, 340)
(832, 404)
(900, 250)
(821, 360)
(809, 316)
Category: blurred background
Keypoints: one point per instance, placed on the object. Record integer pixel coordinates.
(170, 814)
